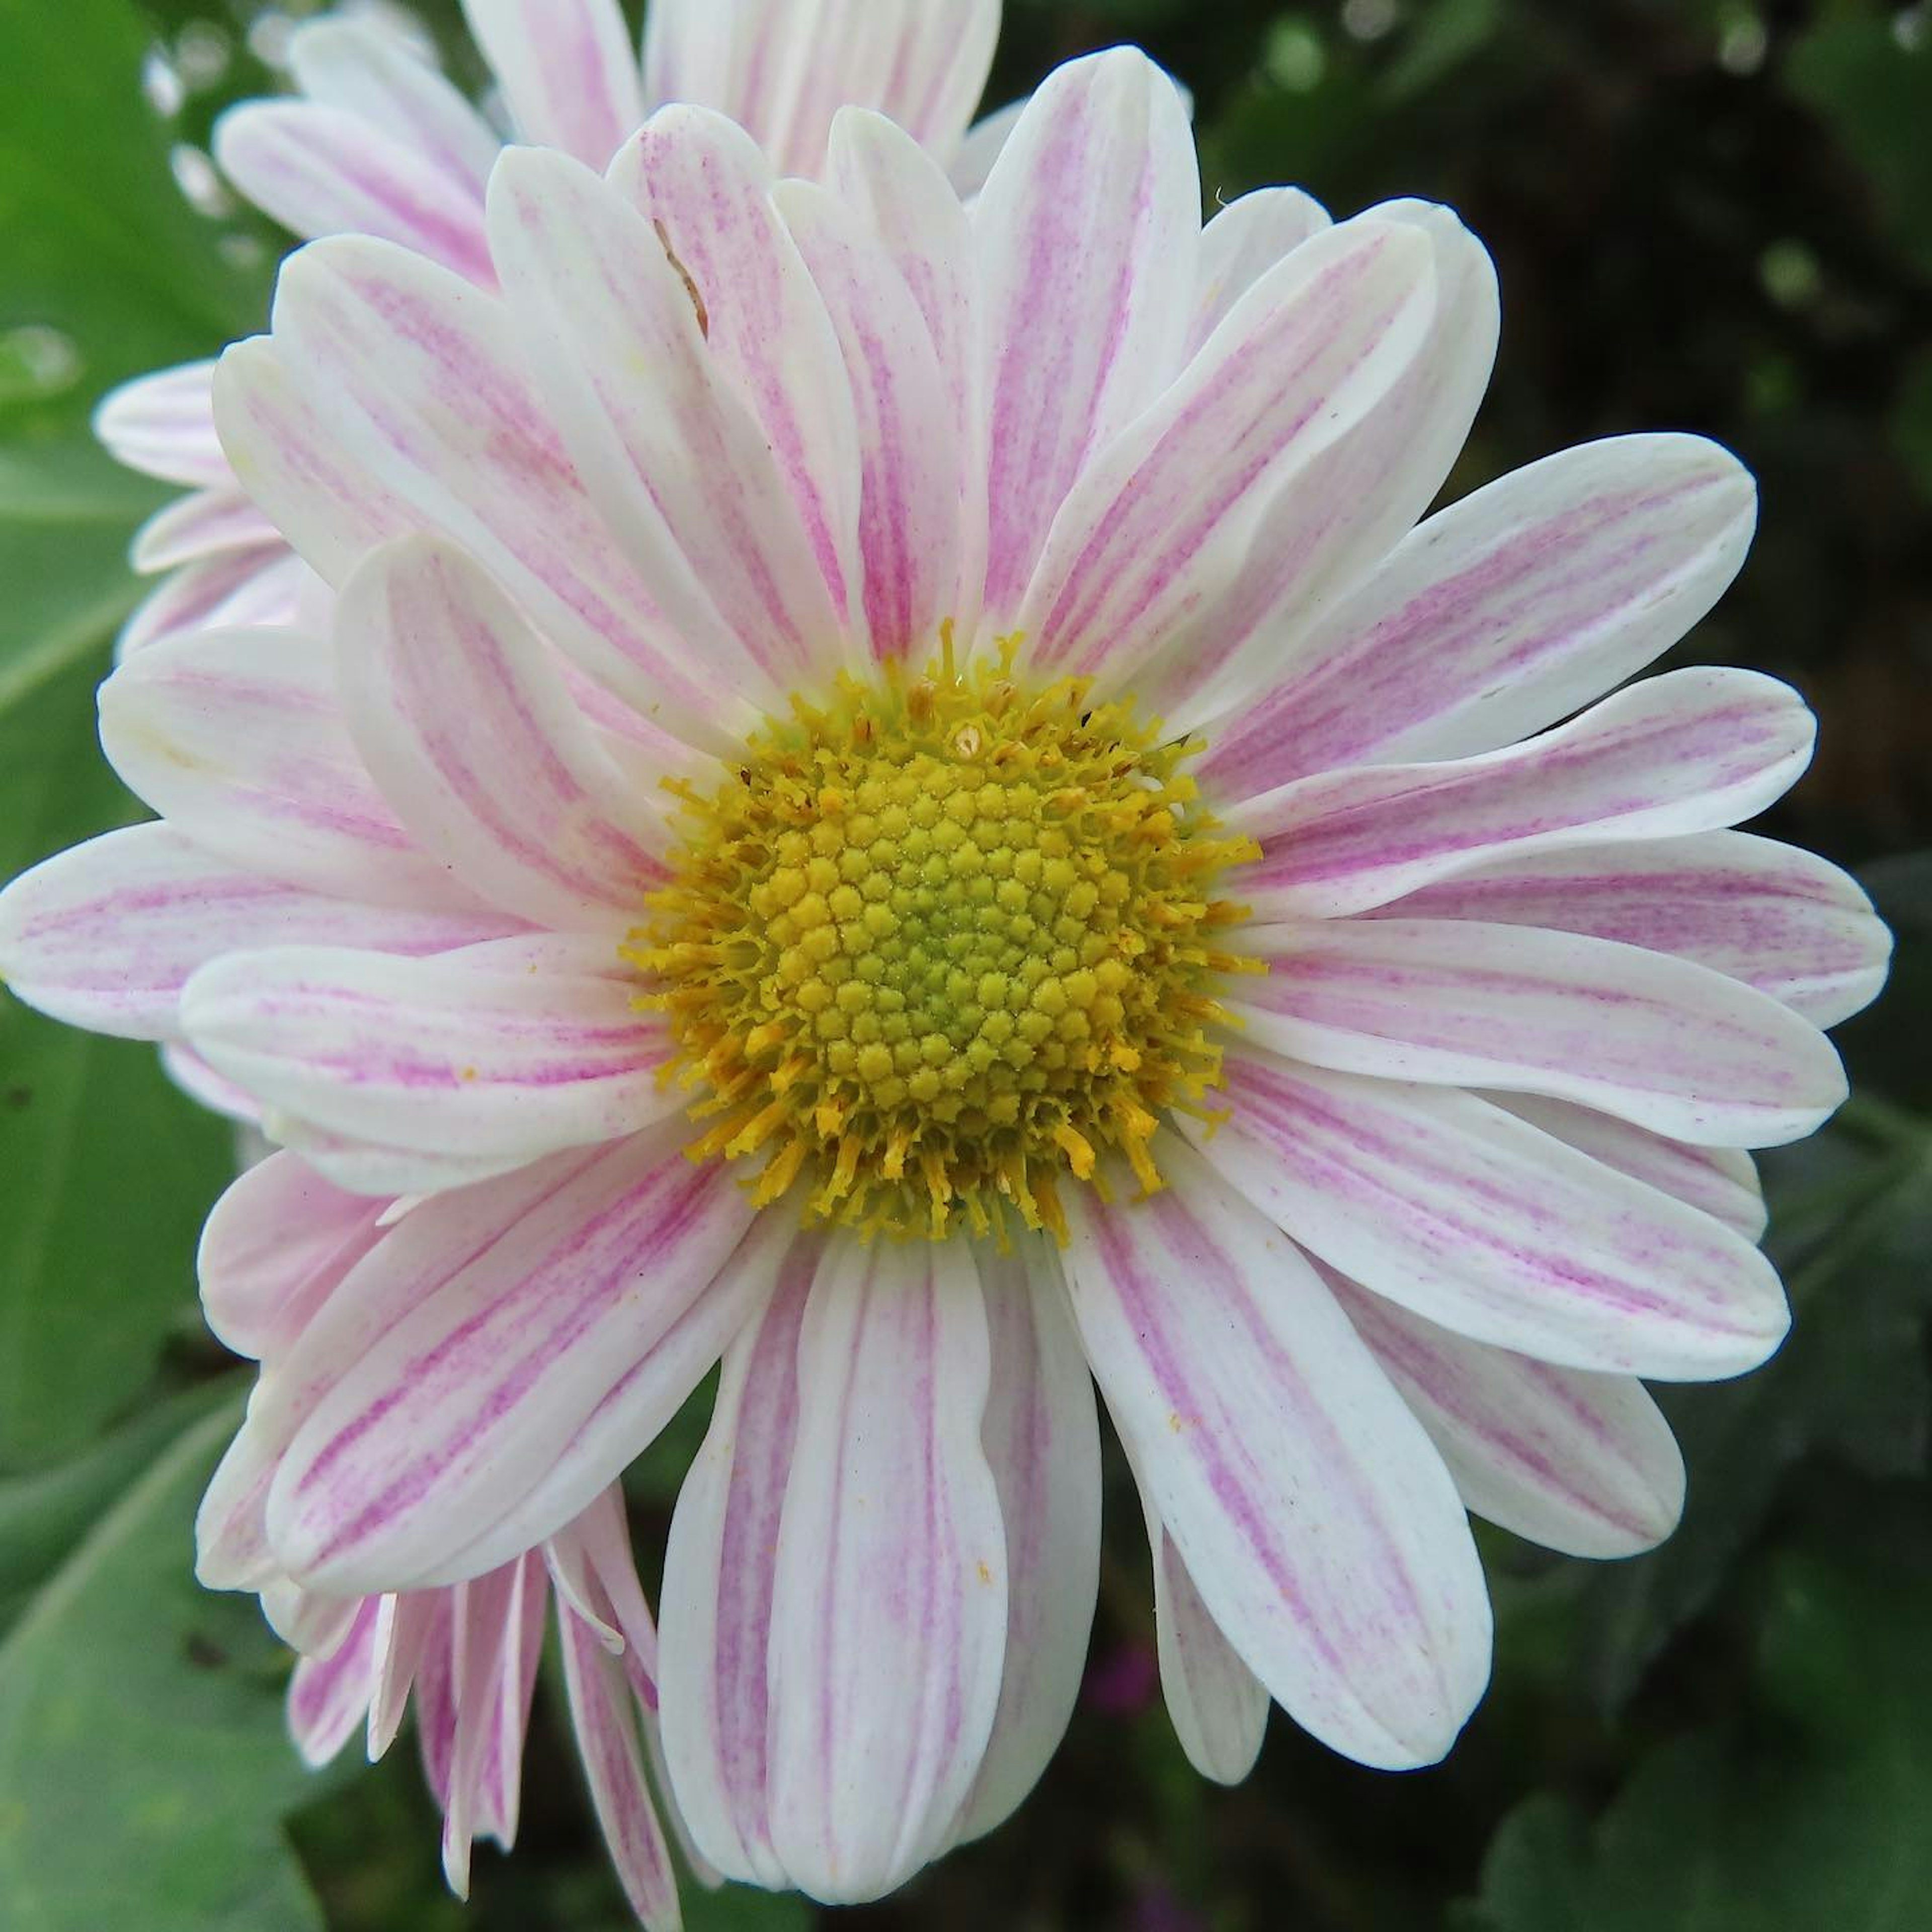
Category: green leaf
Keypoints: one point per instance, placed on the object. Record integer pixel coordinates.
(143, 1764)
(105, 1171)
(1808, 1812)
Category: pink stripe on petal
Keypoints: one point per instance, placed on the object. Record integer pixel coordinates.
(567, 70)
(1485, 1225)
(237, 590)
(1659, 1041)
(328, 1697)
(1318, 1523)
(1687, 752)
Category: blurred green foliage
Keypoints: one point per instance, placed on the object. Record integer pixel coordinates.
(1710, 214)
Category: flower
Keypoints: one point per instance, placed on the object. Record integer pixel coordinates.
(377, 142)
(278, 1245)
(740, 704)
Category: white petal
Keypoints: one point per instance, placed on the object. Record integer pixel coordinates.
(1499, 615)
(567, 70)
(1086, 234)
(1219, 1706)
(1315, 1518)
(1042, 1442)
(1687, 752)
(889, 1604)
(1582, 1463)
(205, 524)
(236, 590)
(163, 425)
(1667, 1045)
(1243, 241)
(327, 1697)
(1487, 1225)
(464, 721)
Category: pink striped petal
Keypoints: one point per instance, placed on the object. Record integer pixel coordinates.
(320, 170)
(205, 524)
(906, 202)
(700, 181)
(604, 1718)
(589, 1559)
(276, 1244)
(469, 729)
(237, 590)
(193, 1076)
(407, 1624)
(782, 68)
(311, 1623)
(567, 69)
(973, 163)
(1042, 1442)
(1777, 917)
(1337, 516)
(434, 1692)
(889, 1603)
(106, 934)
(492, 1710)
(373, 1167)
(363, 71)
(448, 1418)
(911, 500)
(163, 425)
(1487, 1225)
(328, 1697)
(237, 738)
(1501, 614)
(471, 1054)
(1659, 1041)
(1318, 1523)
(1218, 1707)
(1721, 1182)
(1155, 526)
(719, 1565)
(391, 399)
(1245, 240)
(1687, 752)
(1086, 233)
(678, 462)
(1582, 1463)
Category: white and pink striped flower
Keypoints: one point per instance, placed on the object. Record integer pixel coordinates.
(1441, 1144)
(377, 142)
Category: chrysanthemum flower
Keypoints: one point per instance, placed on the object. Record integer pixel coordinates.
(280, 1244)
(898, 798)
(377, 142)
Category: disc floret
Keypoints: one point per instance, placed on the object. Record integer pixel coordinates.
(941, 941)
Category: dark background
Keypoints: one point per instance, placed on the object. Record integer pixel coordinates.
(1709, 216)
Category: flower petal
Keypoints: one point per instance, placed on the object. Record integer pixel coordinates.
(163, 425)
(237, 590)
(1721, 1182)
(1317, 1521)
(1218, 1707)
(236, 737)
(986, 141)
(702, 184)
(439, 1422)
(1042, 1442)
(473, 1054)
(328, 1697)
(362, 70)
(204, 524)
(1667, 1044)
(784, 70)
(889, 1604)
(106, 934)
(1337, 516)
(679, 463)
(911, 500)
(1246, 237)
(1159, 520)
(468, 727)
(1501, 614)
(276, 1243)
(1687, 752)
(321, 170)
(719, 1564)
(1776, 916)
(567, 70)
(1487, 1226)
(1086, 234)
(393, 398)
(1582, 1463)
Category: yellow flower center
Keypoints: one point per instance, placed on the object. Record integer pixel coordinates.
(939, 942)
